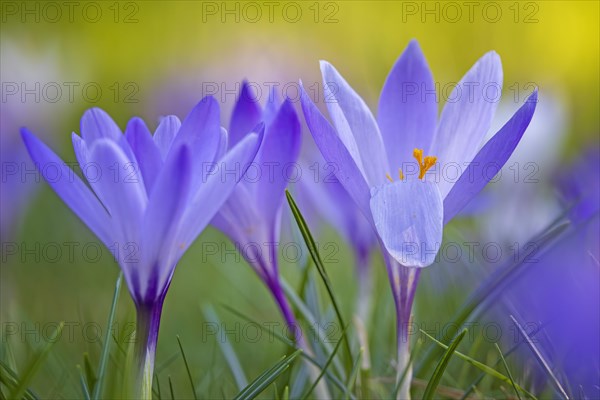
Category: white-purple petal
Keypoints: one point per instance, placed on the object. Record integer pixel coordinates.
(97, 124)
(337, 154)
(489, 160)
(355, 125)
(467, 115)
(408, 217)
(165, 134)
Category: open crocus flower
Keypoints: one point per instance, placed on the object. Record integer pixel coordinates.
(148, 198)
(409, 212)
(251, 216)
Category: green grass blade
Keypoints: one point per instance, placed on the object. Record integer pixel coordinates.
(158, 393)
(187, 368)
(35, 364)
(441, 366)
(97, 392)
(312, 248)
(313, 323)
(290, 343)
(473, 385)
(488, 370)
(89, 374)
(286, 393)
(257, 386)
(228, 352)
(10, 379)
(508, 371)
(327, 363)
(82, 381)
(354, 373)
(540, 358)
(171, 388)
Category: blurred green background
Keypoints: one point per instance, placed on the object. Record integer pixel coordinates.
(162, 54)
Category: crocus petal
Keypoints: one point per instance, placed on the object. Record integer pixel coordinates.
(333, 150)
(408, 218)
(122, 189)
(407, 112)
(271, 106)
(238, 216)
(489, 160)
(165, 133)
(201, 131)
(276, 158)
(69, 187)
(468, 114)
(146, 153)
(80, 149)
(355, 124)
(246, 114)
(97, 124)
(215, 188)
(223, 144)
(166, 206)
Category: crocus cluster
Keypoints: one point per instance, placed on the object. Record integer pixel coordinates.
(155, 193)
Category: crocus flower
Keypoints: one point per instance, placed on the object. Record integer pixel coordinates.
(251, 216)
(150, 196)
(409, 212)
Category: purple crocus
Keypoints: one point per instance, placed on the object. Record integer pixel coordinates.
(149, 197)
(251, 216)
(408, 212)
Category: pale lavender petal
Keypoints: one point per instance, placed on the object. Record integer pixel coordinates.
(97, 124)
(69, 187)
(223, 144)
(408, 217)
(165, 133)
(489, 160)
(246, 114)
(80, 149)
(407, 113)
(146, 152)
(467, 115)
(201, 132)
(355, 125)
(334, 152)
(238, 216)
(122, 190)
(215, 189)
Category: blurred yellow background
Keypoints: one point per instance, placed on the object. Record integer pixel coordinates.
(553, 44)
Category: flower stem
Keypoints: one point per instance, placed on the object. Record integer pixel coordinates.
(403, 281)
(148, 322)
